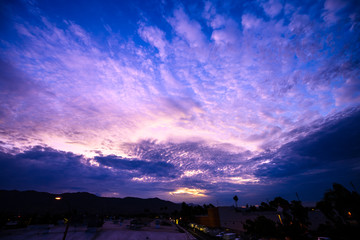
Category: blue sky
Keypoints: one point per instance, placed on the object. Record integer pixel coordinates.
(184, 100)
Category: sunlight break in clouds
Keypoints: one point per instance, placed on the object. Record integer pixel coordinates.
(197, 95)
(191, 191)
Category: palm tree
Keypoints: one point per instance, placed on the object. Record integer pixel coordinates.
(235, 199)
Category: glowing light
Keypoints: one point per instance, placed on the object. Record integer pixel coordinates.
(280, 219)
(57, 198)
(192, 191)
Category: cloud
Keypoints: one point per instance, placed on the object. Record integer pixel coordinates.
(331, 7)
(155, 37)
(13, 81)
(148, 168)
(272, 7)
(328, 153)
(231, 92)
(196, 192)
(250, 21)
(44, 168)
(207, 85)
(189, 29)
(225, 29)
(163, 167)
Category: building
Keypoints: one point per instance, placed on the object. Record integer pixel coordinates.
(234, 219)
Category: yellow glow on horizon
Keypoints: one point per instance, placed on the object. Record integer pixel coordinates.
(191, 191)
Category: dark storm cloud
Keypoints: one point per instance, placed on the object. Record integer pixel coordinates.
(158, 169)
(46, 168)
(334, 145)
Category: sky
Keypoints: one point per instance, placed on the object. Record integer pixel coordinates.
(192, 101)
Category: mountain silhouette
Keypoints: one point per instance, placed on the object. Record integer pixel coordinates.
(33, 202)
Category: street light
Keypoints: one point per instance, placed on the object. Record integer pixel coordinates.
(58, 198)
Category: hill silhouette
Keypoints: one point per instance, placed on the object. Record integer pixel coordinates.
(33, 202)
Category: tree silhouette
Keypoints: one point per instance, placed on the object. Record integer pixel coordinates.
(236, 199)
(261, 227)
(342, 208)
(294, 223)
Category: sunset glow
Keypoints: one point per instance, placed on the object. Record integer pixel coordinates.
(191, 191)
